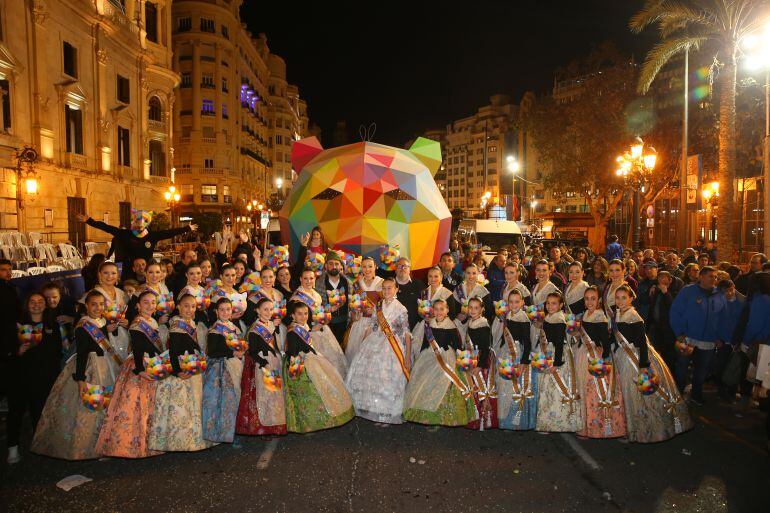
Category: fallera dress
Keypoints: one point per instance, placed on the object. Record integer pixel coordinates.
(67, 429)
(316, 397)
(377, 377)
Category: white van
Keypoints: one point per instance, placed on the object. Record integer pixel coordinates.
(492, 235)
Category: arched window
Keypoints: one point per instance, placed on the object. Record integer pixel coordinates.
(154, 109)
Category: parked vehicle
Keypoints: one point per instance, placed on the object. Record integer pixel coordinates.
(491, 235)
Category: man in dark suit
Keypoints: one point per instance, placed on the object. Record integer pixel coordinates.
(451, 279)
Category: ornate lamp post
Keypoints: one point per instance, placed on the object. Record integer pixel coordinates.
(172, 198)
(635, 167)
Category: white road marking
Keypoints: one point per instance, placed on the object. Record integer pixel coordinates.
(267, 454)
(587, 459)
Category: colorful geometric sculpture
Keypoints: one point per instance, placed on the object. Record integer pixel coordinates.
(364, 195)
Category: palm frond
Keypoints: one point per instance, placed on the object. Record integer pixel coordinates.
(647, 15)
(662, 53)
(682, 18)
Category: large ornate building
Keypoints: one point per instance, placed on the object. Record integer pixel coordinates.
(235, 117)
(89, 85)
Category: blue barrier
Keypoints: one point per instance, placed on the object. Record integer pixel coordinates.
(71, 282)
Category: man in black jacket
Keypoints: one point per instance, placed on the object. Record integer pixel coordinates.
(137, 241)
(659, 330)
(177, 281)
(333, 278)
(10, 311)
(408, 289)
(451, 279)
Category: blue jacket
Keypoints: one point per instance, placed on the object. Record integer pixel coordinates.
(699, 315)
(496, 277)
(734, 311)
(614, 250)
(758, 327)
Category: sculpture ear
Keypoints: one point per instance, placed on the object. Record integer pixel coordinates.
(428, 152)
(303, 151)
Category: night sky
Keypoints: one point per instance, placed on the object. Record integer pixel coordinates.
(411, 66)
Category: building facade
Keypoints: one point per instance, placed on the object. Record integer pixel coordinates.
(88, 84)
(235, 117)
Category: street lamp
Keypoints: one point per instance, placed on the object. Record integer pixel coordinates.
(172, 198)
(757, 47)
(635, 167)
(514, 167)
(711, 196)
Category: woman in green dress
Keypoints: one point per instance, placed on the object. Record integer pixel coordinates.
(439, 392)
(315, 393)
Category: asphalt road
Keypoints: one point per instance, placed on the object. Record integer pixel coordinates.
(720, 466)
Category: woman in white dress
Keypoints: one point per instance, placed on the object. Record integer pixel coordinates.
(512, 273)
(544, 286)
(380, 370)
(115, 301)
(434, 292)
(370, 285)
(559, 407)
(324, 340)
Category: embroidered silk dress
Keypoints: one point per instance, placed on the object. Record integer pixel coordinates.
(358, 328)
(376, 379)
(649, 418)
(602, 396)
(262, 409)
(126, 429)
(559, 407)
(418, 333)
(324, 341)
(437, 392)
(67, 429)
(517, 398)
(177, 418)
(221, 384)
(316, 397)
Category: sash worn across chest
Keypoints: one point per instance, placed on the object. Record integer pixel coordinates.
(264, 333)
(181, 326)
(97, 335)
(450, 373)
(394, 345)
(151, 333)
(305, 298)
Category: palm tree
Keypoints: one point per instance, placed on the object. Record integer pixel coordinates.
(718, 25)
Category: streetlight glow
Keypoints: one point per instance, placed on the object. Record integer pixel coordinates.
(31, 186)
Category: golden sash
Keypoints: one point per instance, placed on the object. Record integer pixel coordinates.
(450, 373)
(394, 345)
